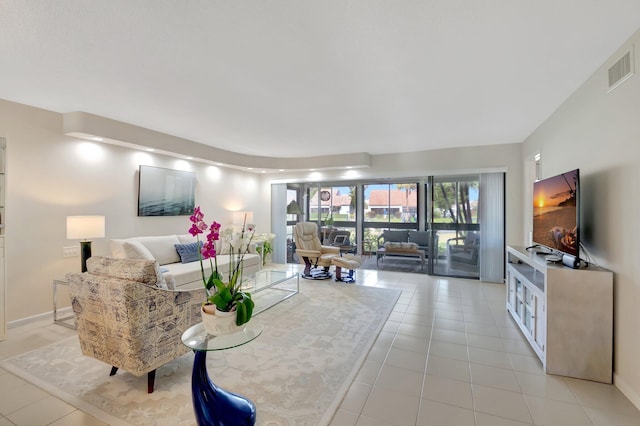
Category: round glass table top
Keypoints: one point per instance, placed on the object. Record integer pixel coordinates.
(196, 338)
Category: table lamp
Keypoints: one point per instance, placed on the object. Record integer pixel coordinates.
(242, 218)
(82, 228)
(293, 208)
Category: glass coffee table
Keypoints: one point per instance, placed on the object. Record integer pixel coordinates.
(268, 287)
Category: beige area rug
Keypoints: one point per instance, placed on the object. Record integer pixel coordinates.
(296, 372)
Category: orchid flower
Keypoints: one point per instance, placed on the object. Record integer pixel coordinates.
(224, 295)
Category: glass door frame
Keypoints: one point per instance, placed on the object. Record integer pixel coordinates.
(457, 226)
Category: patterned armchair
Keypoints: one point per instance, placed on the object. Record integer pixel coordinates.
(127, 317)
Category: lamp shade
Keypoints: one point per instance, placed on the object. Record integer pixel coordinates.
(293, 208)
(85, 227)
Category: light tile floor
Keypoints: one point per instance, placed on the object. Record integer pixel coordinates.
(448, 355)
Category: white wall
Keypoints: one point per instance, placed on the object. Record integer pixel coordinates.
(50, 176)
(599, 133)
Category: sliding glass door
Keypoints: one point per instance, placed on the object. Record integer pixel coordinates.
(463, 216)
(453, 221)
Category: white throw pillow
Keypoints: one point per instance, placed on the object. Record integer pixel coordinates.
(162, 248)
(117, 249)
(135, 250)
(187, 238)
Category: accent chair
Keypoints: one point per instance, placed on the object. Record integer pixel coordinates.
(313, 255)
(126, 316)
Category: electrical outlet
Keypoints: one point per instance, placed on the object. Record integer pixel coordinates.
(72, 251)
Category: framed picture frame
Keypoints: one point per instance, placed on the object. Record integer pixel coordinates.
(165, 192)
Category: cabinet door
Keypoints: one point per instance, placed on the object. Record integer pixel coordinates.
(518, 302)
(539, 315)
(528, 302)
(511, 290)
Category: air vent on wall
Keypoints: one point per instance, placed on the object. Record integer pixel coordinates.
(620, 71)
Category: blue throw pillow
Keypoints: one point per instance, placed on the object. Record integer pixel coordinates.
(188, 252)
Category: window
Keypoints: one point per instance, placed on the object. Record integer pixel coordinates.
(536, 159)
(389, 206)
(333, 205)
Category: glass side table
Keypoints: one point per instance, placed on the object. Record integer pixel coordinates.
(212, 404)
(61, 320)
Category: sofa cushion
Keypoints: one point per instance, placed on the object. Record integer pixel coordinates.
(140, 270)
(188, 275)
(162, 248)
(135, 250)
(396, 236)
(189, 252)
(405, 247)
(186, 238)
(421, 238)
(117, 248)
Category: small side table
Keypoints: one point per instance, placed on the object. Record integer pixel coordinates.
(213, 405)
(348, 249)
(56, 320)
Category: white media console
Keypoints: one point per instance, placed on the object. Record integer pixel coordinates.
(566, 314)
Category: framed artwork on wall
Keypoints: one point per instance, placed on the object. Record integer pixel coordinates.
(165, 192)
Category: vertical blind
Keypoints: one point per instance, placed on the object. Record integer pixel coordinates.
(492, 224)
(279, 222)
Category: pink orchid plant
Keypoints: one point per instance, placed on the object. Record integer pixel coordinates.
(226, 296)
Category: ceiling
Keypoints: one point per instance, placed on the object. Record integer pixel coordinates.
(290, 78)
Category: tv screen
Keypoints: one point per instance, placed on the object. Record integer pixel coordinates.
(556, 212)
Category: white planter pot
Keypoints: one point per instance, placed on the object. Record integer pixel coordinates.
(220, 322)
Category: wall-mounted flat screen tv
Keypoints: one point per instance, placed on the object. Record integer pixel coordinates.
(165, 192)
(556, 212)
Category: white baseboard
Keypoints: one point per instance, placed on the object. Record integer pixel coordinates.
(40, 317)
(627, 390)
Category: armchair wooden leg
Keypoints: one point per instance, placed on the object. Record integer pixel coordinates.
(151, 379)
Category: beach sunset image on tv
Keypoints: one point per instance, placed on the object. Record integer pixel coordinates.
(555, 215)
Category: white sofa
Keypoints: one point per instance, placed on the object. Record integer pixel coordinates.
(177, 274)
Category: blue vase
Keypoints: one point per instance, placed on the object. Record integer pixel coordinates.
(215, 406)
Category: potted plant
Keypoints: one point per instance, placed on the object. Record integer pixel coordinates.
(224, 293)
(264, 248)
